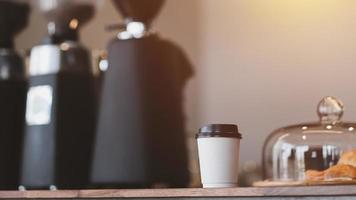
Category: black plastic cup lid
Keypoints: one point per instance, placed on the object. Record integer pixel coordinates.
(219, 130)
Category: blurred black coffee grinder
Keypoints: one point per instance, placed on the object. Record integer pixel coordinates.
(140, 138)
(13, 84)
(60, 114)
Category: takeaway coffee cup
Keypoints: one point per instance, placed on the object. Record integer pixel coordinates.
(218, 149)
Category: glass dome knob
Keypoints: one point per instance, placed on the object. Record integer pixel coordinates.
(330, 110)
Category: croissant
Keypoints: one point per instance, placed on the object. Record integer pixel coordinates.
(313, 175)
(348, 158)
(340, 171)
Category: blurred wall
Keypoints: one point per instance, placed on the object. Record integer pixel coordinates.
(259, 63)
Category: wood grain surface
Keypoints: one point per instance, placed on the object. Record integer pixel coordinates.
(197, 192)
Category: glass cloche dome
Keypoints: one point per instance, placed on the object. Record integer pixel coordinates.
(312, 151)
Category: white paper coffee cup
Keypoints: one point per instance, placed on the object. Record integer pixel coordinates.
(218, 148)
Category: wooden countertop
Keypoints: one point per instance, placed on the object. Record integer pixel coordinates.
(193, 192)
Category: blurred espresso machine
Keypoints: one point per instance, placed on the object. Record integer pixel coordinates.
(13, 85)
(60, 113)
(140, 139)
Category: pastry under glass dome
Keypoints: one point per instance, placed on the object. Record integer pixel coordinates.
(291, 151)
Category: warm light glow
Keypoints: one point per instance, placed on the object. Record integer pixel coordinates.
(297, 14)
(103, 65)
(124, 35)
(73, 24)
(136, 29)
(64, 46)
(133, 30)
(300, 7)
(51, 28)
(329, 127)
(304, 128)
(351, 128)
